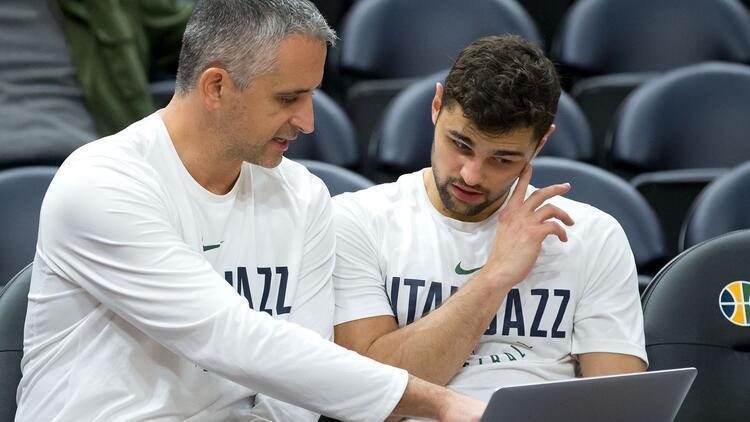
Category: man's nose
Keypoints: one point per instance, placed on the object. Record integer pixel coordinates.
(471, 171)
(304, 118)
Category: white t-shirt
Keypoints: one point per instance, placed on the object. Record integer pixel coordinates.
(134, 311)
(397, 255)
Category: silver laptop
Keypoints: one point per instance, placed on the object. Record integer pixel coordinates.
(642, 397)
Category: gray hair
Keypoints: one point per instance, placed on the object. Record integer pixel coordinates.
(242, 36)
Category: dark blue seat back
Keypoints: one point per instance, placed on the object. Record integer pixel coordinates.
(613, 195)
(572, 137)
(337, 179)
(333, 139)
(611, 36)
(693, 117)
(21, 192)
(384, 39)
(722, 207)
(696, 314)
(13, 299)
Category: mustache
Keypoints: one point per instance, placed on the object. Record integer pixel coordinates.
(290, 134)
(458, 181)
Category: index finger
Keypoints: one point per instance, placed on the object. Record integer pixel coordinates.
(519, 193)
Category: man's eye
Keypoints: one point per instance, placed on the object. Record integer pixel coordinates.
(288, 100)
(503, 161)
(461, 146)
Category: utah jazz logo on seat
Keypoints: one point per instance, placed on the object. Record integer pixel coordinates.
(734, 301)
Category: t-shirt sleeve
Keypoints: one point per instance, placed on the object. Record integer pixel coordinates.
(608, 317)
(110, 230)
(357, 278)
(313, 301)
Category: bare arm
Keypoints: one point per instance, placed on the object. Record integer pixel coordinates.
(436, 346)
(422, 399)
(598, 364)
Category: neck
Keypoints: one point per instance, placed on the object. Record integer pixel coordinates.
(434, 196)
(194, 138)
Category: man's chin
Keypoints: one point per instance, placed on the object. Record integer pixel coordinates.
(267, 162)
(466, 209)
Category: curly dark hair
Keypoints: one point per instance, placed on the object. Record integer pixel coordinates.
(504, 83)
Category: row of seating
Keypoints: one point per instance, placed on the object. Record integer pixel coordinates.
(672, 136)
(692, 117)
(683, 326)
(719, 209)
(386, 44)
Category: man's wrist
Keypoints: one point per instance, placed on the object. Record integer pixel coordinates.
(423, 399)
(495, 278)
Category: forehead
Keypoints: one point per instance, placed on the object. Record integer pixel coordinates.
(454, 123)
(298, 65)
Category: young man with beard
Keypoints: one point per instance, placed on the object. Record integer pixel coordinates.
(183, 266)
(466, 275)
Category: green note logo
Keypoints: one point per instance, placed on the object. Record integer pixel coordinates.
(461, 271)
(211, 247)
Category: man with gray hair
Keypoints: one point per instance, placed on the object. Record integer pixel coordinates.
(177, 259)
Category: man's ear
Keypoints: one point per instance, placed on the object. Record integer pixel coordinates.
(543, 141)
(437, 102)
(213, 85)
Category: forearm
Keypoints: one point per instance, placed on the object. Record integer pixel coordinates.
(435, 347)
(424, 400)
(602, 363)
(421, 399)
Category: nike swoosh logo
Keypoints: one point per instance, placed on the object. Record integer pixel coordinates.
(461, 271)
(210, 247)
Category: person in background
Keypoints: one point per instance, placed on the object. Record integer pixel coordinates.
(75, 70)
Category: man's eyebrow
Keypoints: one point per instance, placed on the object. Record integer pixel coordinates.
(461, 137)
(297, 91)
(497, 153)
(505, 152)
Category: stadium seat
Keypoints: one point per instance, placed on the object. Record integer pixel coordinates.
(21, 193)
(599, 98)
(679, 131)
(613, 36)
(337, 179)
(385, 44)
(13, 299)
(333, 140)
(696, 313)
(641, 37)
(720, 208)
(333, 10)
(615, 196)
(547, 14)
(572, 136)
(402, 143)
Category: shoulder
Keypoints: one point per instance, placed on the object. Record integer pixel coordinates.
(585, 214)
(592, 225)
(127, 150)
(115, 159)
(384, 200)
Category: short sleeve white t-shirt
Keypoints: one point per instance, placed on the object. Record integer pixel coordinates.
(154, 299)
(397, 255)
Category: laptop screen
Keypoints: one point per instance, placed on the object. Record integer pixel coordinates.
(645, 396)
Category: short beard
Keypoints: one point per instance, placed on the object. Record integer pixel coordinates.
(450, 204)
